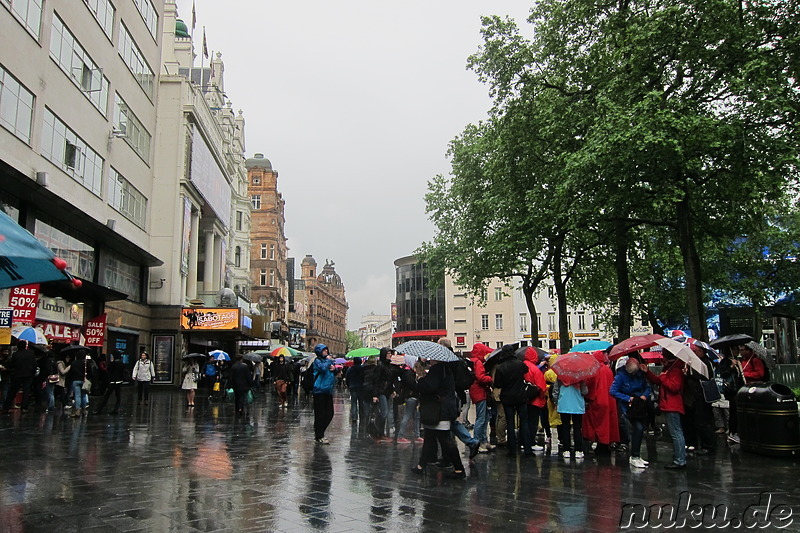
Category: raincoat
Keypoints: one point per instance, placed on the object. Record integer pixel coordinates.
(601, 423)
(479, 390)
(535, 376)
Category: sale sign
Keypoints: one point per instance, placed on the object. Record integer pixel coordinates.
(23, 301)
(94, 331)
(5, 325)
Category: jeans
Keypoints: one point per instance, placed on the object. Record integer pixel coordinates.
(51, 397)
(637, 433)
(511, 412)
(676, 434)
(323, 414)
(410, 416)
(355, 404)
(383, 420)
(463, 435)
(576, 421)
(81, 396)
(143, 389)
(481, 422)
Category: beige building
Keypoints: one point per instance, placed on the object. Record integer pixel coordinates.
(323, 295)
(376, 330)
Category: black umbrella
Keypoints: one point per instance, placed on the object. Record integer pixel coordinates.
(254, 357)
(520, 353)
(723, 343)
(74, 348)
(501, 354)
(195, 356)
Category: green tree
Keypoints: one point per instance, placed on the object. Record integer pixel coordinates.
(353, 340)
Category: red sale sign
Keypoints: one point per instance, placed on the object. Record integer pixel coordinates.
(23, 301)
(94, 331)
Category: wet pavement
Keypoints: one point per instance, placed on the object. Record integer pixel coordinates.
(165, 467)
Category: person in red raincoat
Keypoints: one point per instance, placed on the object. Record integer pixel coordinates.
(601, 423)
(534, 375)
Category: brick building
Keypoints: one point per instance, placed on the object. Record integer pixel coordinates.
(327, 306)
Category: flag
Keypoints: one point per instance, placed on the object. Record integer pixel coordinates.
(205, 47)
(194, 16)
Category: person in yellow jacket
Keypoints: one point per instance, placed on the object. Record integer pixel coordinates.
(550, 378)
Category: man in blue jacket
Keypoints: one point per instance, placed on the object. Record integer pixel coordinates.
(324, 381)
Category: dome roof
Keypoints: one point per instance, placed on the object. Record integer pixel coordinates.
(180, 29)
(308, 260)
(258, 160)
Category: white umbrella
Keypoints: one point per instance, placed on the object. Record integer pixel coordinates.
(427, 350)
(685, 354)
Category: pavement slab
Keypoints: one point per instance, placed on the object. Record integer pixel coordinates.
(165, 467)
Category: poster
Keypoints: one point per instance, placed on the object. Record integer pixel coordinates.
(210, 318)
(163, 349)
(5, 325)
(23, 300)
(95, 331)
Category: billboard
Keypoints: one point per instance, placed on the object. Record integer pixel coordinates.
(209, 318)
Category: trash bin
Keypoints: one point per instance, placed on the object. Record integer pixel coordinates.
(769, 423)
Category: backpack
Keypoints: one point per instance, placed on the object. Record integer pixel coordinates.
(464, 374)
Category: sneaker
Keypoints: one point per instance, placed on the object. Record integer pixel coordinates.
(734, 437)
(418, 440)
(554, 451)
(578, 455)
(537, 448)
(484, 448)
(566, 454)
(401, 440)
(690, 448)
(636, 462)
(323, 440)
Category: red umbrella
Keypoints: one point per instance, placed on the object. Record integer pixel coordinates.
(575, 367)
(651, 357)
(633, 344)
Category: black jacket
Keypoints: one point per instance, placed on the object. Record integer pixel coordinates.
(437, 395)
(22, 364)
(354, 377)
(281, 371)
(510, 378)
(241, 376)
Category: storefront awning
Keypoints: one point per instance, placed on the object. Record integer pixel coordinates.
(87, 292)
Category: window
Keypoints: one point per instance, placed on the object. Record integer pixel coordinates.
(460, 321)
(28, 13)
(134, 133)
(484, 322)
(551, 321)
(581, 321)
(539, 321)
(256, 181)
(149, 14)
(498, 321)
(135, 60)
(272, 251)
(523, 322)
(16, 106)
(78, 66)
(237, 257)
(239, 220)
(499, 344)
(459, 308)
(498, 294)
(120, 274)
(551, 292)
(70, 153)
(124, 197)
(78, 255)
(256, 201)
(103, 11)
(271, 277)
(263, 277)
(263, 250)
(484, 294)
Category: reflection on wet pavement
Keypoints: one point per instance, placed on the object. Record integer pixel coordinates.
(164, 467)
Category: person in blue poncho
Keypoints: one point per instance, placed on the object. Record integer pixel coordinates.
(324, 382)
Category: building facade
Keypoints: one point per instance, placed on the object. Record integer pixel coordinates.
(323, 295)
(421, 310)
(267, 246)
(376, 330)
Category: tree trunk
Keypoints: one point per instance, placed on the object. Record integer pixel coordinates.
(623, 279)
(565, 342)
(527, 290)
(653, 319)
(692, 270)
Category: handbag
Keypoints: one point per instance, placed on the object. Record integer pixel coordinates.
(710, 391)
(52, 378)
(532, 391)
(216, 386)
(250, 396)
(87, 385)
(637, 410)
(372, 423)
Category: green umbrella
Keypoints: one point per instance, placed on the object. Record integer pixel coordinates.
(362, 352)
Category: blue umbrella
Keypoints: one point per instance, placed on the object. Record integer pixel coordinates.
(590, 346)
(23, 259)
(219, 355)
(27, 333)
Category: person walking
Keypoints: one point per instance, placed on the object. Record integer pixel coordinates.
(354, 379)
(479, 392)
(22, 369)
(632, 392)
(191, 375)
(241, 382)
(80, 371)
(116, 378)
(324, 382)
(143, 375)
(282, 375)
(670, 402)
(438, 407)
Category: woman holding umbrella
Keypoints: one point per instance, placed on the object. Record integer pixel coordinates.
(282, 375)
(191, 374)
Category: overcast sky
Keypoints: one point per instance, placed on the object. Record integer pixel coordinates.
(354, 102)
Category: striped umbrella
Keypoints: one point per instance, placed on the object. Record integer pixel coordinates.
(427, 350)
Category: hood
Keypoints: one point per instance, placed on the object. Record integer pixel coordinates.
(479, 351)
(384, 354)
(601, 356)
(318, 349)
(532, 355)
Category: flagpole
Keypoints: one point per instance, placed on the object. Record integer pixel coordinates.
(202, 57)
